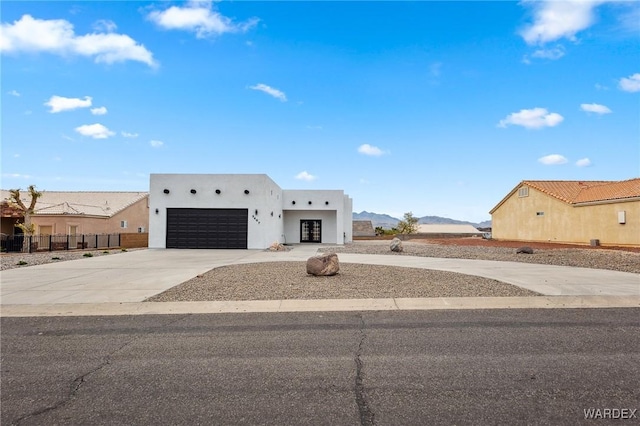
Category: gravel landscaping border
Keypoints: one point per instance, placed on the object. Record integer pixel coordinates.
(12, 260)
(289, 280)
(616, 260)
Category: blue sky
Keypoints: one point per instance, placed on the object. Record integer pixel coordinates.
(439, 108)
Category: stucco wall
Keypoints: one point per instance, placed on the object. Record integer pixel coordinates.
(517, 219)
(329, 232)
(326, 205)
(265, 196)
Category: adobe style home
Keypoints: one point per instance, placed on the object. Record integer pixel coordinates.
(79, 212)
(242, 211)
(576, 212)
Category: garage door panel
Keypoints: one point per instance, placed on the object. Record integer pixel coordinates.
(207, 228)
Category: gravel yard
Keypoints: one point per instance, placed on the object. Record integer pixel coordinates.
(12, 260)
(289, 280)
(617, 260)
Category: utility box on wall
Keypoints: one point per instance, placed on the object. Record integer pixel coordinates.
(622, 217)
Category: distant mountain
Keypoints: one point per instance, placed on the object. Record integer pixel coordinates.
(383, 220)
(388, 222)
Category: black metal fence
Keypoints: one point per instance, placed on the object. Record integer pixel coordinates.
(34, 243)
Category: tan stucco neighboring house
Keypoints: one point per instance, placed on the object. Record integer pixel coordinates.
(71, 213)
(570, 212)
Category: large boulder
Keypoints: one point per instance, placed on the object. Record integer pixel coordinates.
(524, 250)
(396, 245)
(323, 265)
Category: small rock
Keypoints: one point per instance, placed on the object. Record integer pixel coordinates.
(323, 265)
(276, 246)
(396, 245)
(525, 250)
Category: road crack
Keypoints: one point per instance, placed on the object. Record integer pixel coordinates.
(77, 383)
(366, 415)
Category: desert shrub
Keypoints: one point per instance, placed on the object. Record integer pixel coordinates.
(88, 255)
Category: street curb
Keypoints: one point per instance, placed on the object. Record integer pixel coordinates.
(323, 305)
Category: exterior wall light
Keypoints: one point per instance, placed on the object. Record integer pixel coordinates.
(166, 191)
(218, 191)
(271, 213)
(309, 202)
(246, 191)
(293, 202)
(157, 211)
(193, 191)
(326, 203)
(256, 211)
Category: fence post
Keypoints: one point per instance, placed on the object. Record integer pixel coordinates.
(96, 240)
(82, 241)
(108, 240)
(30, 245)
(50, 242)
(67, 242)
(119, 240)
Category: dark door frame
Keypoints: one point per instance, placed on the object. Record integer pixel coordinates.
(311, 223)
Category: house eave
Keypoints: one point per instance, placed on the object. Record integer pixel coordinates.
(612, 201)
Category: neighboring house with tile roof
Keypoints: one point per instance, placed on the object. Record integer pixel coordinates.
(570, 212)
(70, 213)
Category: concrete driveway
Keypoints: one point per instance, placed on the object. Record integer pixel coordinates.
(137, 275)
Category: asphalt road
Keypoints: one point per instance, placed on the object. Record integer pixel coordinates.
(388, 368)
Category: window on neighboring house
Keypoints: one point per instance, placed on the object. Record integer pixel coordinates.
(523, 192)
(123, 224)
(539, 213)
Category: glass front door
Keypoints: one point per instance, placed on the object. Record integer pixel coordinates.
(310, 231)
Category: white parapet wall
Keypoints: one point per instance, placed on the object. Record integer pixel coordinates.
(272, 214)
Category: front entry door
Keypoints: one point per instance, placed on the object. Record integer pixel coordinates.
(310, 231)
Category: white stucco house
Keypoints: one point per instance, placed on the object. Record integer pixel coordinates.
(242, 211)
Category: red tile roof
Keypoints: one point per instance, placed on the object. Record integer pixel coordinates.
(581, 192)
(575, 192)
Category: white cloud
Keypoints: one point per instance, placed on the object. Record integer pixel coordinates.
(129, 135)
(631, 83)
(599, 86)
(200, 18)
(371, 150)
(104, 26)
(99, 111)
(57, 36)
(306, 176)
(553, 160)
(554, 20)
(535, 118)
(16, 175)
(552, 54)
(270, 91)
(96, 131)
(14, 93)
(595, 108)
(156, 144)
(60, 103)
(583, 162)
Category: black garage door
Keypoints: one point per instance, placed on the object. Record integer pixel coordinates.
(207, 228)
